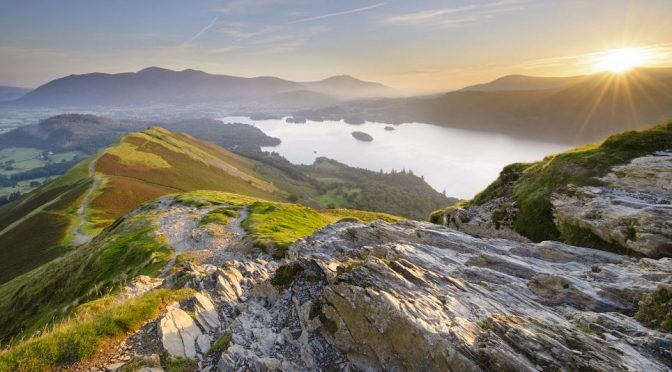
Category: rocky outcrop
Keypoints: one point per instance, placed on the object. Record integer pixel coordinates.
(416, 296)
(633, 208)
(493, 219)
(409, 296)
(630, 208)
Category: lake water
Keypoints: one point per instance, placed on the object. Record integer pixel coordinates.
(461, 162)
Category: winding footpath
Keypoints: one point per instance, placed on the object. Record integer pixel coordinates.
(81, 237)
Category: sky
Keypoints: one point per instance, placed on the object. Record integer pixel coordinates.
(414, 46)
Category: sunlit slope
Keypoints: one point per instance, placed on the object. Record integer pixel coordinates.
(158, 162)
(141, 166)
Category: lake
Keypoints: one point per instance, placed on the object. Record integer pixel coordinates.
(461, 162)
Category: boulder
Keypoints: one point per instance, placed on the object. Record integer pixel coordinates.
(179, 333)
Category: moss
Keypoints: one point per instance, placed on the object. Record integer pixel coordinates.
(438, 217)
(486, 324)
(500, 215)
(576, 235)
(171, 364)
(285, 275)
(82, 336)
(655, 309)
(221, 344)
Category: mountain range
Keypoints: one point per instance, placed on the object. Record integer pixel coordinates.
(156, 85)
(576, 110)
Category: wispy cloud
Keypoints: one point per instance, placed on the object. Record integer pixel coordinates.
(456, 16)
(426, 15)
(204, 29)
(337, 14)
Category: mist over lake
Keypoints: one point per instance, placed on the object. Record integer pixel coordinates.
(461, 162)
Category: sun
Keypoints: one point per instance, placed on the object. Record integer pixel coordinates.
(621, 60)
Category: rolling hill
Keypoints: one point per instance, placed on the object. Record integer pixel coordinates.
(155, 85)
(144, 165)
(94, 193)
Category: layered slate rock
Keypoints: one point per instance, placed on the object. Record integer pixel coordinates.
(633, 209)
(416, 296)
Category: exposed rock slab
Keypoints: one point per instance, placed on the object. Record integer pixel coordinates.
(633, 209)
(416, 296)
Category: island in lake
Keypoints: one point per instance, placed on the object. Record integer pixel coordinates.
(362, 136)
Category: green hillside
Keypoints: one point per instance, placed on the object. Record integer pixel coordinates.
(145, 165)
(141, 166)
(129, 247)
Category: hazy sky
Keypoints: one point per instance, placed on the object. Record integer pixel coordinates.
(410, 45)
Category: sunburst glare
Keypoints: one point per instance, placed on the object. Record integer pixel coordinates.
(622, 60)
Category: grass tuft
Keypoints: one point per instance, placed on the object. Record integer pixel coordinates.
(221, 344)
(655, 309)
(81, 336)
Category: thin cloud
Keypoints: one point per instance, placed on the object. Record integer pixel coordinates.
(426, 15)
(457, 15)
(204, 29)
(337, 14)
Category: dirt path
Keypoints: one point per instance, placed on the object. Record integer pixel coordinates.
(81, 237)
(207, 244)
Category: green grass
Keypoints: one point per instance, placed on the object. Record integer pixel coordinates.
(221, 344)
(81, 336)
(39, 297)
(203, 198)
(275, 226)
(219, 216)
(655, 309)
(170, 364)
(335, 215)
(531, 185)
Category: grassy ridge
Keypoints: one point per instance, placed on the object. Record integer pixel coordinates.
(274, 226)
(531, 185)
(140, 167)
(86, 332)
